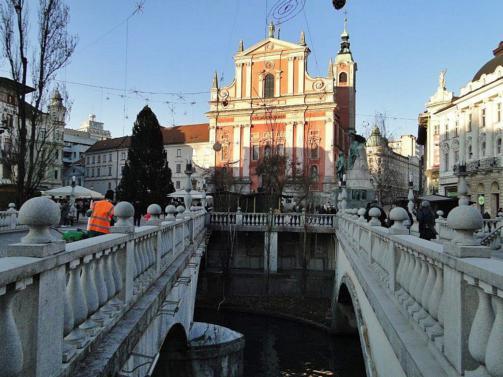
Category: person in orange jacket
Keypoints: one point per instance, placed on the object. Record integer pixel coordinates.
(102, 212)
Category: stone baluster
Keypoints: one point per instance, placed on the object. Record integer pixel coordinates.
(480, 331)
(109, 277)
(427, 292)
(90, 291)
(116, 270)
(494, 359)
(101, 285)
(79, 305)
(11, 356)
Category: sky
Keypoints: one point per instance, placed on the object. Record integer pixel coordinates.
(175, 46)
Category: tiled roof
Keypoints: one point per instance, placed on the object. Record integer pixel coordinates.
(191, 133)
(116, 143)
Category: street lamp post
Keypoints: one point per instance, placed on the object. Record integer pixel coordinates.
(188, 187)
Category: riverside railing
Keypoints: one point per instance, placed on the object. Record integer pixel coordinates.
(452, 293)
(57, 301)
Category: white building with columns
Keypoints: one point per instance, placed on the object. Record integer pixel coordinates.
(468, 129)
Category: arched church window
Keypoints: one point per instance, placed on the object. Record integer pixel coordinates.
(269, 86)
(343, 77)
(267, 151)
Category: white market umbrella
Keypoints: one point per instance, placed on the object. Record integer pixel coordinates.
(79, 192)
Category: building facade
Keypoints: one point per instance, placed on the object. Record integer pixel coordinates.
(390, 171)
(468, 130)
(48, 138)
(77, 142)
(273, 104)
(105, 160)
(94, 129)
(406, 145)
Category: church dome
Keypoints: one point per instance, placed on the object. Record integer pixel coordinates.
(492, 64)
(375, 139)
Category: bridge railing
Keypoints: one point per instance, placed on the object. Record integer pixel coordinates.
(57, 301)
(294, 220)
(452, 293)
(8, 219)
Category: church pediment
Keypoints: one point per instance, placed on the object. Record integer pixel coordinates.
(270, 45)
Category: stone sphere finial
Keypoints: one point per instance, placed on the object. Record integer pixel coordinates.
(154, 210)
(180, 209)
(12, 205)
(374, 213)
(39, 214)
(124, 212)
(12, 208)
(361, 213)
(398, 215)
(465, 220)
(440, 214)
(170, 210)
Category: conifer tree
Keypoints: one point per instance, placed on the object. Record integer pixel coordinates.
(146, 176)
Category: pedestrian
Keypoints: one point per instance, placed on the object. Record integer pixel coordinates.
(426, 220)
(64, 213)
(486, 215)
(102, 212)
(500, 212)
(137, 212)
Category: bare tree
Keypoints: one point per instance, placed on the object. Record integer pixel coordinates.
(33, 138)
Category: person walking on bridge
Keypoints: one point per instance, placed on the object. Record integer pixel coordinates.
(102, 213)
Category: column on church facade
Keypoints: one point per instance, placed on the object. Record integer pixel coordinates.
(291, 61)
(302, 74)
(246, 151)
(289, 143)
(328, 149)
(236, 149)
(299, 143)
(239, 67)
(260, 84)
(277, 83)
(248, 66)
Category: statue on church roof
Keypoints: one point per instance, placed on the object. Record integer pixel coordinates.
(441, 79)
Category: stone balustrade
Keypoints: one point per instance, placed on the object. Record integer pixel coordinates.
(9, 220)
(454, 303)
(259, 221)
(57, 305)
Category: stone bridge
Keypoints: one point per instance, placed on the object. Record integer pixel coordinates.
(421, 308)
(106, 306)
(110, 306)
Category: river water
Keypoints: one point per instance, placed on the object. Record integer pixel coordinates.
(278, 347)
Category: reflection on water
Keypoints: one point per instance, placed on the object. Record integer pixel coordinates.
(277, 347)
